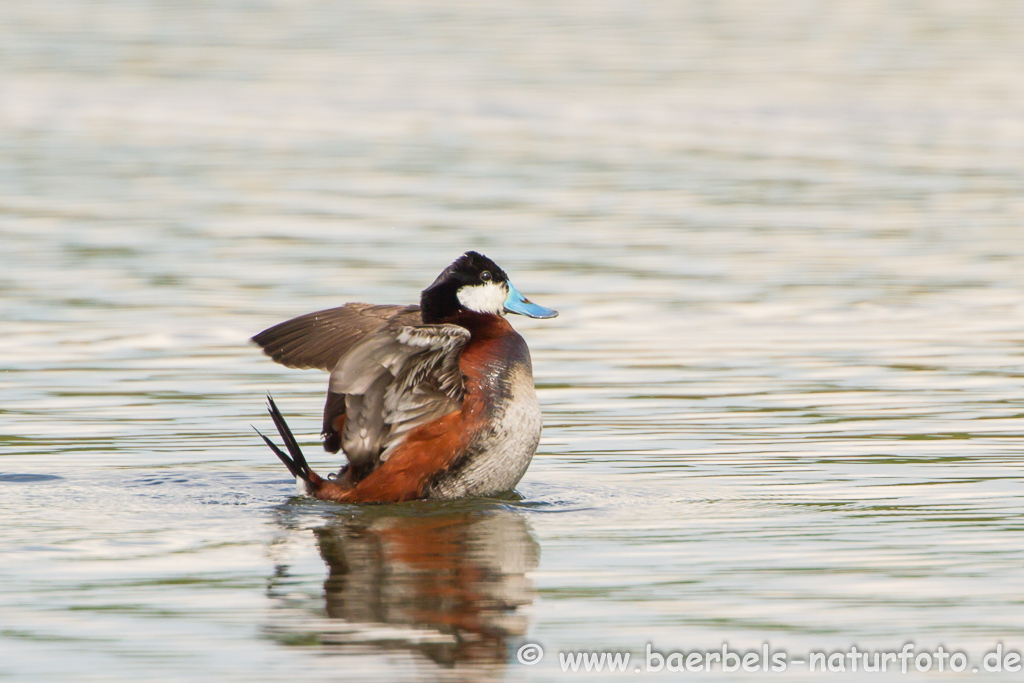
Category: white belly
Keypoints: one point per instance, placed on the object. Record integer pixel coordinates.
(504, 451)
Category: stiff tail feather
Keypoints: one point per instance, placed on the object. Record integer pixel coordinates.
(293, 460)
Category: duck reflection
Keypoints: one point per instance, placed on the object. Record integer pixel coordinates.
(449, 584)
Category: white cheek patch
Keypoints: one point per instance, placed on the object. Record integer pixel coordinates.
(486, 298)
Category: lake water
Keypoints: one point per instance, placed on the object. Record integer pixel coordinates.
(784, 399)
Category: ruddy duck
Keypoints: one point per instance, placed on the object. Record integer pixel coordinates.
(428, 401)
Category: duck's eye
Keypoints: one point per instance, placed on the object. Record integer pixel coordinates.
(485, 276)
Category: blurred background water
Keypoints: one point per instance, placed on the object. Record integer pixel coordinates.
(783, 400)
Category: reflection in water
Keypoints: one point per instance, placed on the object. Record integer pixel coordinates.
(448, 584)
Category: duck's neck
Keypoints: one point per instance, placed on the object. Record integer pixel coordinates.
(481, 325)
(439, 304)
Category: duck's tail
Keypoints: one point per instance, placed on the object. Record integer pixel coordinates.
(293, 460)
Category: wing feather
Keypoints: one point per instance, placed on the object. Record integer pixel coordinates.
(320, 339)
(395, 381)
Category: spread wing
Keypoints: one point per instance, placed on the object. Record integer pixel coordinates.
(395, 381)
(318, 340)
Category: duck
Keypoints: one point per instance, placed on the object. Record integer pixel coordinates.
(428, 401)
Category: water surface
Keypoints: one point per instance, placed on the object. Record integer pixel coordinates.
(782, 400)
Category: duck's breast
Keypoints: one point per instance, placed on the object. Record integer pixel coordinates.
(507, 417)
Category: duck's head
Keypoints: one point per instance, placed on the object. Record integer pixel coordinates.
(475, 283)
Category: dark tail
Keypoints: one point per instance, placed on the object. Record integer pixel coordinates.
(296, 463)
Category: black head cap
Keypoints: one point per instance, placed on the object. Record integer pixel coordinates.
(440, 300)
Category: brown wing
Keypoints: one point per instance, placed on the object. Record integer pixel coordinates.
(393, 382)
(320, 339)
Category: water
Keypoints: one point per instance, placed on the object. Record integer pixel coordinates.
(783, 398)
